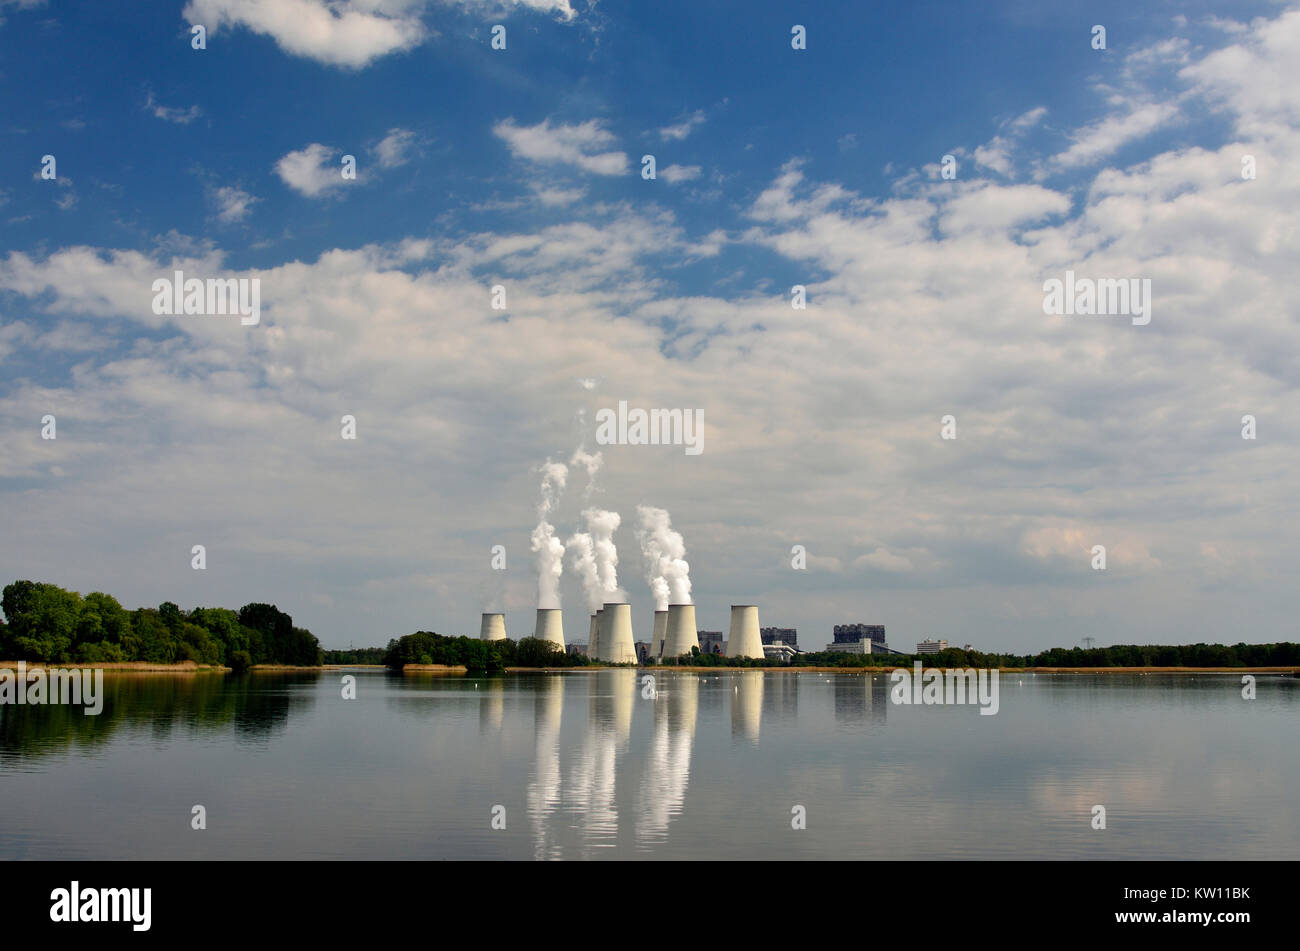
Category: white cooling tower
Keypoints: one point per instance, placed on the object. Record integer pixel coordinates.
(494, 628)
(744, 639)
(593, 643)
(550, 626)
(680, 634)
(657, 639)
(617, 645)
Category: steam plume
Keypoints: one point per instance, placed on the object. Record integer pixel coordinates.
(664, 551)
(546, 547)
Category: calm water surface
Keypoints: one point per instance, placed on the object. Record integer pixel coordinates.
(585, 767)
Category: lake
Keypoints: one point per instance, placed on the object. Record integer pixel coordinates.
(591, 764)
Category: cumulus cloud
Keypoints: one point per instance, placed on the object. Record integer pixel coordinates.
(586, 145)
(673, 174)
(311, 171)
(395, 148)
(924, 301)
(680, 130)
(350, 33)
(233, 204)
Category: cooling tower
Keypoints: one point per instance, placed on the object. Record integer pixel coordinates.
(680, 634)
(494, 628)
(593, 642)
(744, 639)
(550, 626)
(616, 641)
(657, 639)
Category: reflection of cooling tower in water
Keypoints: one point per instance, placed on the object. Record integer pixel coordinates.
(493, 628)
(544, 787)
(613, 693)
(680, 635)
(781, 696)
(617, 645)
(491, 705)
(663, 790)
(550, 626)
(747, 703)
(657, 638)
(593, 640)
(744, 639)
(860, 697)
(613, 702)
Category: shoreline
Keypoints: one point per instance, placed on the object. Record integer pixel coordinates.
(191, 667)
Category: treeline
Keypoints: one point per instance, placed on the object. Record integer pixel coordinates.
(356, 655)
(1120, 655)
(44, 622)
(425, 647)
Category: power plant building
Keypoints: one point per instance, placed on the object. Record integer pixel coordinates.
(852, 633)
(782, 635)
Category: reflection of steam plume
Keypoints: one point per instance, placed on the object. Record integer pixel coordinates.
(610, 725)
(544, 786)
(549, 549)
(663, 791)
(664, 552)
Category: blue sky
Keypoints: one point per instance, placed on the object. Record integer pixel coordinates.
(775, 167)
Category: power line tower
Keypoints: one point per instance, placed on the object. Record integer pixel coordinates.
(1088, 642)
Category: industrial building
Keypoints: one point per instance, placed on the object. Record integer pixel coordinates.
(710, 641)
(783, 635)
(852, 633)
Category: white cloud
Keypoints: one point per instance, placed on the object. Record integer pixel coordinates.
(883, 560)
(1103, 138)
(172, 114)
(580, 145)
(684, 128)
(349, 33)
(673, 174)
(822, 425)
(395, 148)
(563, 9)
(233, 204)
(311, 171)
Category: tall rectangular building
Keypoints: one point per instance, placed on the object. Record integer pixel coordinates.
(786, 635)
(852, 633)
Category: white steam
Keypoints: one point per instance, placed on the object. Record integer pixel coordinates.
(664, 551)
(548, 549)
